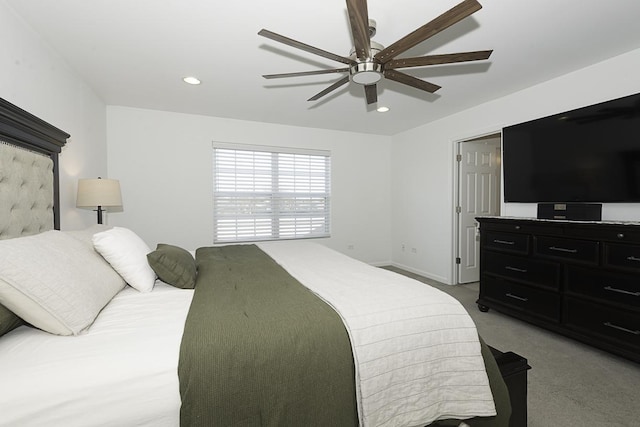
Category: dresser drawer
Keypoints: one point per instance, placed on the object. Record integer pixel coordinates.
(580, 251)
(606, 232)
(526, 270)
(616, 288)
(606, 323)
(622, 256)
(534, 301)
(526, 227)
(506, 242)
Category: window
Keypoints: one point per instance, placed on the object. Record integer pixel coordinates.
(267, 193)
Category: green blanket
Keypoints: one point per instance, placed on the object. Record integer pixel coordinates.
(259, 349)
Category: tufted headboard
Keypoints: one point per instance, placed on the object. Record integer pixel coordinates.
(29, 185)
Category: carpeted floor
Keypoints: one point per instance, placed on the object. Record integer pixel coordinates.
(570, 383)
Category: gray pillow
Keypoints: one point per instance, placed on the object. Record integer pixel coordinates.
(174, 266)
(55, 282)
(86, 235)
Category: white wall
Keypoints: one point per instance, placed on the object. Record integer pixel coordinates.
(152, 150)
(423, 160)
(164, 163)
(37, 80)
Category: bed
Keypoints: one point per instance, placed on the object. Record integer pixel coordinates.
(98, 329)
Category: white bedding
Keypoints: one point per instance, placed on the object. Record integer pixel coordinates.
(402, 332)
(121, 372)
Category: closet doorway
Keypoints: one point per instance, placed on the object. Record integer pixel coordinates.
(478, 193)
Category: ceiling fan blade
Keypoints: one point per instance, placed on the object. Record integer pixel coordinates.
(331, 88)
(447, 19)
(449, 58)
(411, 81)
(371, 92)
(305, 73)
(294, 43)
(359, 19)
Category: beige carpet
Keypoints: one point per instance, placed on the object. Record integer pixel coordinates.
(570, 383)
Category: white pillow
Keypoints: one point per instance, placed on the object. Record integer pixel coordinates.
(55, 282)
(127, 254)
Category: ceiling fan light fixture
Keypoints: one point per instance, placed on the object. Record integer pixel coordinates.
(366, 73)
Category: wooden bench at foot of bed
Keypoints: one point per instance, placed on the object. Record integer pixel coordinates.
(513, 368)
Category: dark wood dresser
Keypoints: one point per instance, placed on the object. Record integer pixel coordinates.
(581, 279)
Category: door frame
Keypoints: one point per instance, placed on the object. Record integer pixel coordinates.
(456, 194)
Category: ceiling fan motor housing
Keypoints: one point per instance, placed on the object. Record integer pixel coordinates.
(369, 71)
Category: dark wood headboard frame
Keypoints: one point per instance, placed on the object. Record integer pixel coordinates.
(25, 130)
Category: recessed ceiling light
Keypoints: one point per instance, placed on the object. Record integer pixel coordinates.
(382, 109)
(191, 80)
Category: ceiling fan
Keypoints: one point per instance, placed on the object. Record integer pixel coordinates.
(369, 61)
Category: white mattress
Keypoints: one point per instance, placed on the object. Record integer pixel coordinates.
(121, 372)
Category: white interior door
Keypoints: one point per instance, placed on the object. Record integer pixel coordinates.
(478, 194)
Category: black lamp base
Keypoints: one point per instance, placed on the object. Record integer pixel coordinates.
(99, 210)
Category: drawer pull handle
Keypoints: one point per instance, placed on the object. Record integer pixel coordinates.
(517, 297)
(519, 270)
(633, 258)
(571, 251)
(622, 291)
(504, 242)
(620, 328)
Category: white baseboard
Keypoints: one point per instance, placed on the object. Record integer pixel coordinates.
(428, 275)
(380, 263)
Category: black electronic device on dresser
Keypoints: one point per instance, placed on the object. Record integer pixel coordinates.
(581, 279)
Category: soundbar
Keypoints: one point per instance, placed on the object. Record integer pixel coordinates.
(570, 211)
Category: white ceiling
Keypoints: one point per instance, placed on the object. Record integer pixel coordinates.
(135, 53)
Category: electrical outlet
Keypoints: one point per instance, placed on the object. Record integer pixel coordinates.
(350, 247)
(414, 251)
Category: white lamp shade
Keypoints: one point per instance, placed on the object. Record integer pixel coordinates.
(98, 192)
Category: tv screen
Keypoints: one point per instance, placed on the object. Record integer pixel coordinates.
(591, 154)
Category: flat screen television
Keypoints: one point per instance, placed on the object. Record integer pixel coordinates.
(591, 154)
